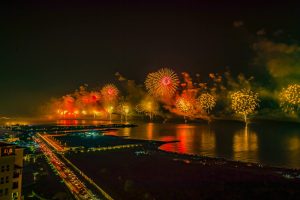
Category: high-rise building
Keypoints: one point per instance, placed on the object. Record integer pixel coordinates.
(11, 164)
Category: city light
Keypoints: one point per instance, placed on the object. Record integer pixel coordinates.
(110, 110)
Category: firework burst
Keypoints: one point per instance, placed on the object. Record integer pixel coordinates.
(68, 104)
(185, 105)
(244, 102)
(162, 83)
(148, 106)
(206, 102)
(94, 97)
(123, 109)
(290, 98)
(109, 92)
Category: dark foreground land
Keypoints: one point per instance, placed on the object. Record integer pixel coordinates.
(142, 174)
(47, 184)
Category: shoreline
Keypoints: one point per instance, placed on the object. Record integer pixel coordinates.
(254, 164)
(160, 143)
(145, 170)
(107, 127)
(221, 158)
(157, 119)
(137, 172)
(193, 156)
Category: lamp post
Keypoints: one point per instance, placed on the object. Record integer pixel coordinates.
(126, 111)
(110, 111)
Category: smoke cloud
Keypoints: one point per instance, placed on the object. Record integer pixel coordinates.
(281, 60)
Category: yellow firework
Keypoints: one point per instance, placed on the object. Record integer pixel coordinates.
(148, 106)
(162, 83)
(123, 108)
(206, 102)
(290, 98)
(244, 102)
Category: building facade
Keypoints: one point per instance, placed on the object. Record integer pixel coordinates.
(11, 164)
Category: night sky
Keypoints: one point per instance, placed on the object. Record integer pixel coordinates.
(49, 48)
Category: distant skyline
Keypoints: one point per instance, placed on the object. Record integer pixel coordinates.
(50, 48)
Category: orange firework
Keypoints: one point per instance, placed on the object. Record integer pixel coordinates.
(89, 98)
(68, 103)
(94, 97)
(109, 92)
(162, 83)
(185, 105)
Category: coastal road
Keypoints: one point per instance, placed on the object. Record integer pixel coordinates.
(77, 187)
(54, 144)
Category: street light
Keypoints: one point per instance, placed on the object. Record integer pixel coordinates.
(110, 111)
(126, 111)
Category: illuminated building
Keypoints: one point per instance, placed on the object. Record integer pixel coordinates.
(11, 163)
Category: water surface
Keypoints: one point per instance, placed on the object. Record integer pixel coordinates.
(271, 143)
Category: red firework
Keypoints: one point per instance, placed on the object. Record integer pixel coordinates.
(162, 83)
(109, 92)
